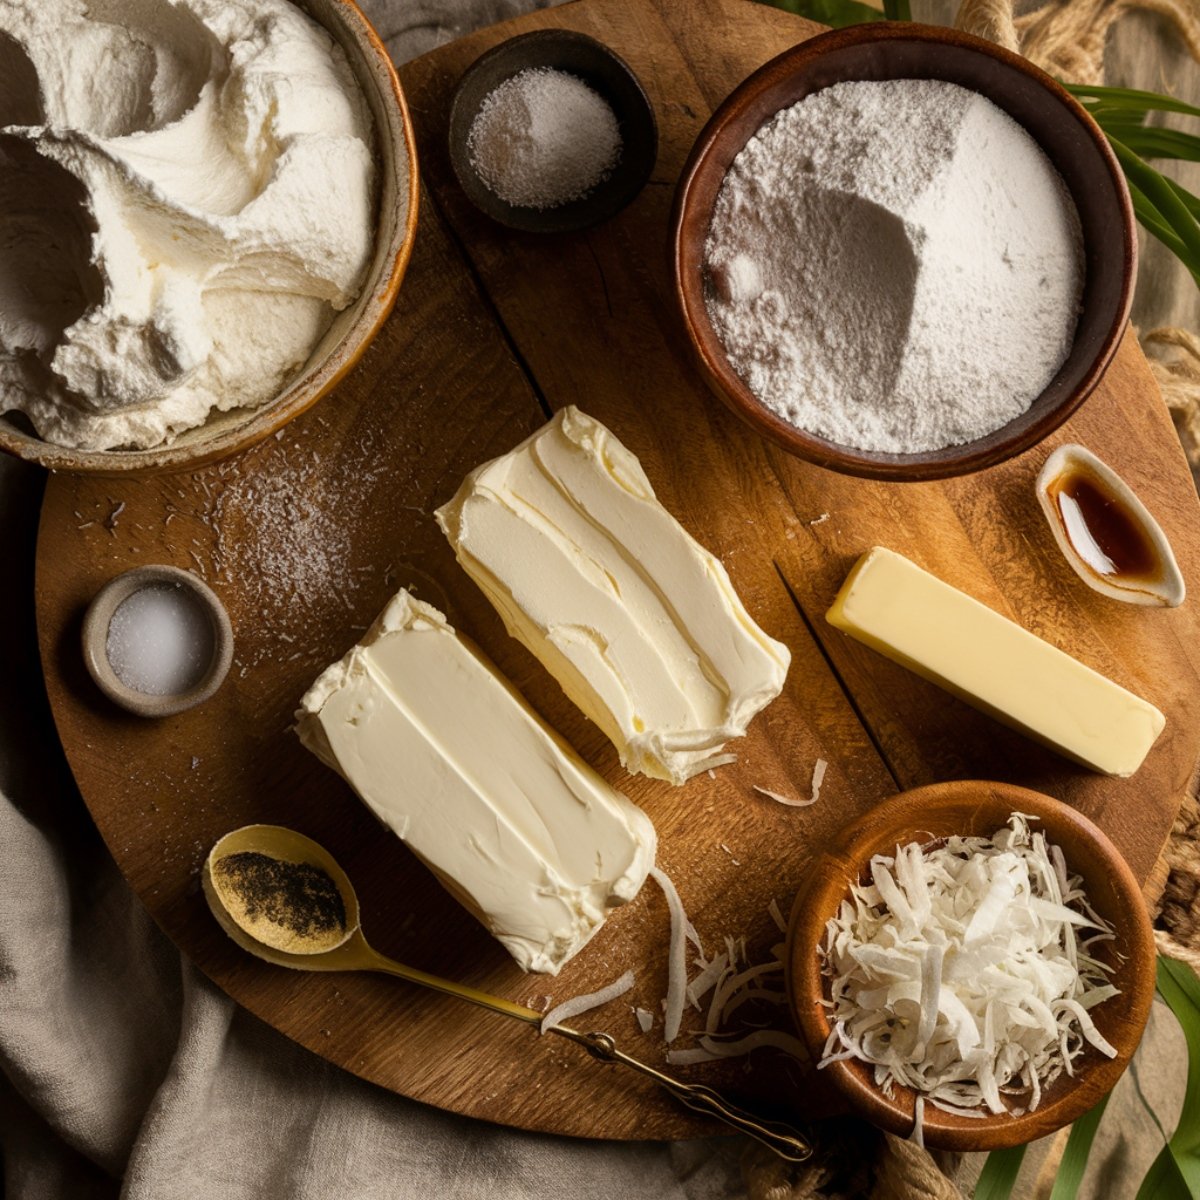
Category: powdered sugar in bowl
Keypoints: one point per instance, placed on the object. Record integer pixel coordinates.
(903, 253)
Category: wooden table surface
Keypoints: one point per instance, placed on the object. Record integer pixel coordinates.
(307, 535)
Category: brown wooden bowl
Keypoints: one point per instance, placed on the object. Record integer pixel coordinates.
(352, 329)
(1056, 121)
(978, 808)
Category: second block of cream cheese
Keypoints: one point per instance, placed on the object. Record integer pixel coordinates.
(637, 621)
(448, 755)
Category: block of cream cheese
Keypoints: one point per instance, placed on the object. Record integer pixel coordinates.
(992, 663)
(448, 755)
(639, 624)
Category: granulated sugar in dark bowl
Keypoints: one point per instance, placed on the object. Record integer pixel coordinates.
(903, 253)
(551, 132)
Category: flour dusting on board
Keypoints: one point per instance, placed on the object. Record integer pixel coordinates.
(281, 542)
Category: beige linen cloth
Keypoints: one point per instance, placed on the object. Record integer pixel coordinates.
(124, 1072)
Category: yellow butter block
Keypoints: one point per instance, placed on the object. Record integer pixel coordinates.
(915, 619)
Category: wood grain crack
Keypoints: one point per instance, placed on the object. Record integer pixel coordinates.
(837, 675)
(430, 200)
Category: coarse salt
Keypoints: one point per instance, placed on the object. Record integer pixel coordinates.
(160, 640)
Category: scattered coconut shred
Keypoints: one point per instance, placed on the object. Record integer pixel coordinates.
(818, 778)
(728, 978)
(960, 972)
(581, 1004)
(731, 980)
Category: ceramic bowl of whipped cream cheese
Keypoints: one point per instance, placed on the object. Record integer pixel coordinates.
(206, 211)
(901, 252)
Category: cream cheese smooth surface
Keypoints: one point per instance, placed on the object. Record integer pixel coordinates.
(637, 621)
(187, 194)
(917, 620)
(447, 755)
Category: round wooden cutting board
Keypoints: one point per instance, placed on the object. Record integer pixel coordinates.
(306, 536)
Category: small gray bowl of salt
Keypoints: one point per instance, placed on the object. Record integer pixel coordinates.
(157, 641)
(551, 132)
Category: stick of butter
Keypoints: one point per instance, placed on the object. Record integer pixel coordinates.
(447, 754)
(915, 619)
(639, 624)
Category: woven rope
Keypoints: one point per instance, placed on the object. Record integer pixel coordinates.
(1067, 37)
(1175, 360)
(853, 1162)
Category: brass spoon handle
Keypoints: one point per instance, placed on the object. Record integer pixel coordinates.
(775, 1135)
(374, 961)
(784, 1141)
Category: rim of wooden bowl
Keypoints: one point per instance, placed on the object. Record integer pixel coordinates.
(396, 224)
(887, 50)
(978, 807)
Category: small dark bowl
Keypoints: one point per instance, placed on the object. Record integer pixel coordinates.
(605, 73)
(978, 808)
(1053, 118)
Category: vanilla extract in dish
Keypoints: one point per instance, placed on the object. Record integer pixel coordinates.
(1102, 530)
(160, 640)
(1107, 535)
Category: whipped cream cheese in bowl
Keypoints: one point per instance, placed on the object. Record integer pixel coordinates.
(206, 209)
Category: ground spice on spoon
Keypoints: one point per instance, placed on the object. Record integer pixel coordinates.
(294, 907)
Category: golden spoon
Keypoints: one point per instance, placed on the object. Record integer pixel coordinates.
(341, 946)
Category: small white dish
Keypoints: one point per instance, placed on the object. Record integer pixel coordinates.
(1105, 532)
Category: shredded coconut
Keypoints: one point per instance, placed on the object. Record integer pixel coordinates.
(959, 971)
(543, 138)
(711, 1049)
(676, 956)
(789, 801)
(819, 769)
(895, 266)
(581, 1004)
(732, 983)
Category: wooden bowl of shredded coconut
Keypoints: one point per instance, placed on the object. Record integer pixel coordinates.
(912, 317)
(972, 965)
